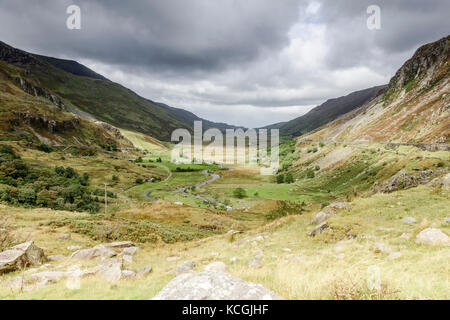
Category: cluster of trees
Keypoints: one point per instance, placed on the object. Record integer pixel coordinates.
(60, 188)
(285, 178)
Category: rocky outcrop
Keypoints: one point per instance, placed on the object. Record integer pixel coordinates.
(404, 180)
(21, 256)
(92, 253)
(211, 285)
(433, 237)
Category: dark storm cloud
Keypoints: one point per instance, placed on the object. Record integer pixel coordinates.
(405, 25)
(162, 35)
(253, 61)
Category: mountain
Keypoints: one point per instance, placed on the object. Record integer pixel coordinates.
(414, 108)
(82, 91)
(326, 112)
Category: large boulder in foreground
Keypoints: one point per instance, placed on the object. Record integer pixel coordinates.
(21, 256)
(211, 285)
(433, 236)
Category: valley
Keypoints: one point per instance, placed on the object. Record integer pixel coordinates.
(359, 208)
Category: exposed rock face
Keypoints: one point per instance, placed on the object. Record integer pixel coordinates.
(21, 256)
(323, 215)
(217, 266)
(130, 251)
(403, 180)
(434, 237)
(92, 253)
(213, 286)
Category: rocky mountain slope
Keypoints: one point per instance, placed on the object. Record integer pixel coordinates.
(413, 109)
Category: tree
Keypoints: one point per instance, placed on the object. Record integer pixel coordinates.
(239, 193)
(139, 181)
(280, 178)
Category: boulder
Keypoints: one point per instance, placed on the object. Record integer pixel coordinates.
(92, 253)
(217, 266)
(110, 269)
(433, 236)
(172, 258)
(21, 256)
(184, 267)
(323, 215)
(210, 285)
(130, 251)
(119, 244)
(128, 274)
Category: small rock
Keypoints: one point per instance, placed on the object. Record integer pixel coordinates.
(406, 236)
(56, 257)
(381, 247)
(128, 274)
(172, 258)
(409, 220)
(110, 269)
(432, 236)
(447, 221)
(394, 255)
(217, 266)
(340, 205)
(184, 267)
(233, 259)
(318, 229)
(64, 237)
(128, 258)
(256, 262)
(130, 251)
(144, 271)
(178, 203)
(287, 250)
(340, 256)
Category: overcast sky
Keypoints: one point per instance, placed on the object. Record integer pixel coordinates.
(245, 62)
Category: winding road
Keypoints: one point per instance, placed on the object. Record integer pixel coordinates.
(214, 177)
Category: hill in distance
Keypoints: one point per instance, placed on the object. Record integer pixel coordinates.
(90, 95)
(326, 112)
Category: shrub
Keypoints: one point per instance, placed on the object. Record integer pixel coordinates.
(139, 181)
(239, 193)
(289, 178)
(310, 174)
(280, 178)
(285, 208)
(26, 195)
(44, 148)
